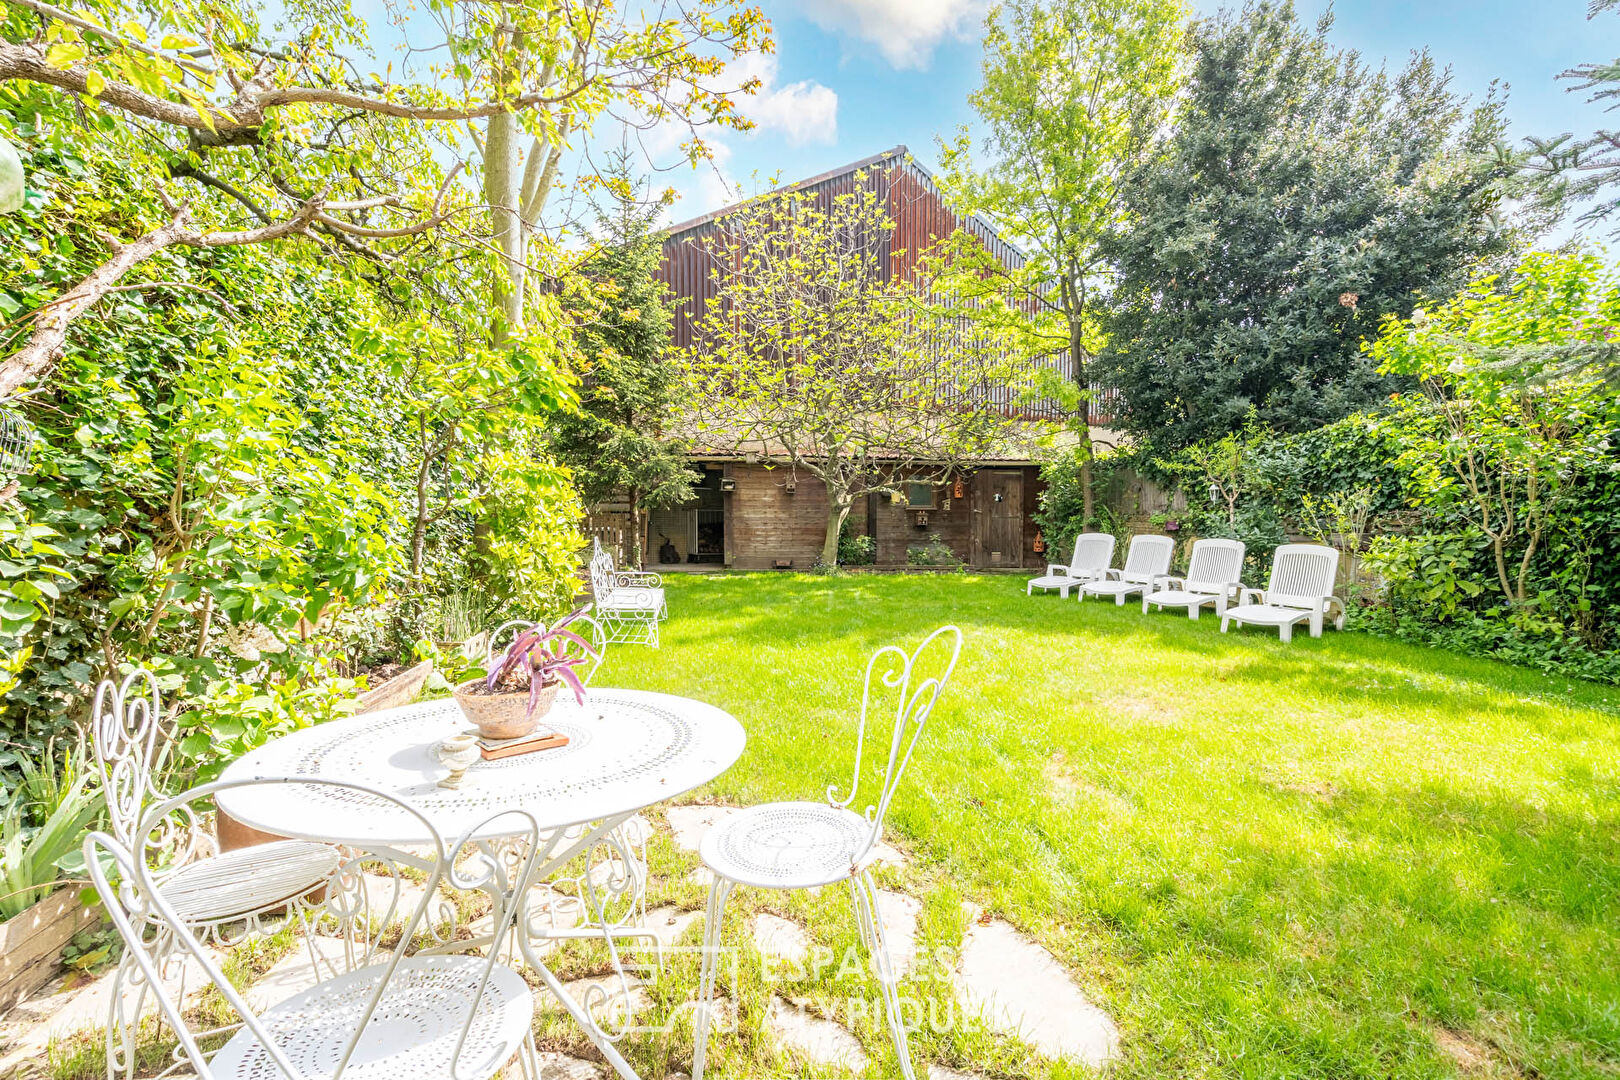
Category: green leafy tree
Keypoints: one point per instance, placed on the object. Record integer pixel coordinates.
(811, 354)
(1300, 198)
(1497, 448)
(616, 444)
(251, 132)
(1073, 93)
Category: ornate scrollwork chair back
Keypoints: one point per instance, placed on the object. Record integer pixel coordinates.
(891, 672)
(124, 722)
(467, 1015)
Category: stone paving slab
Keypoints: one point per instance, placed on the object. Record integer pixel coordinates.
(555, 1066)
(779, 938)
(940, 1072)
(689, 823)
(297, 971)
(44, 1019)
(670, 923)
(820, 1041)
(899, 914)
(1020, 989)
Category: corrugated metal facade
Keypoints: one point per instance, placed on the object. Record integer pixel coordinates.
(922, 218)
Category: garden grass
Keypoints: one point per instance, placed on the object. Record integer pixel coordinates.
(1345, 857)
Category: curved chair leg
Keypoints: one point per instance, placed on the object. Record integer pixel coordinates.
(1285, 632)
(714, 915)
(1224, 622)
(863, 891)
(1193, 610)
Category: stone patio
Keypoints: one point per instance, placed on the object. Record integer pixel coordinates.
(1003, 978)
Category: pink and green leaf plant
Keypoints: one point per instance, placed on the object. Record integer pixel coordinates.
(541, 654)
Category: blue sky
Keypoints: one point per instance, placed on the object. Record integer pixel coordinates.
(852, 77)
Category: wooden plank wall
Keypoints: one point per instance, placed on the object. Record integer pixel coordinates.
(766, 522)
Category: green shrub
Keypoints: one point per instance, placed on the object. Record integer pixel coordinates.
(855, 550)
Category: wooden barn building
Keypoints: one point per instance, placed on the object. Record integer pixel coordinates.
(752, 514)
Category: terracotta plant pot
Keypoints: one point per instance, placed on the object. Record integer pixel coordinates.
(504, 716)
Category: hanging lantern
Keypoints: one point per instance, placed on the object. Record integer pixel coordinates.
(960, 490)
(1040, 543)
(11, 178)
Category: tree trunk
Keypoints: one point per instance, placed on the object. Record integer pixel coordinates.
(501, 192)
(637, 531)
(837, 512)
(1077, 353)
(419, 527)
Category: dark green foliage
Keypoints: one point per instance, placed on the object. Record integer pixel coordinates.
(1300, 198)
(616, 445)
(855, 550)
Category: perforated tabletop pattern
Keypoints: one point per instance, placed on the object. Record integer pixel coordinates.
(627, 749)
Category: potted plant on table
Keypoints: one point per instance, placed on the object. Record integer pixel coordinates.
(509, 702)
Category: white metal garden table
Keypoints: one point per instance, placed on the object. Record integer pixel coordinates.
(627, 750)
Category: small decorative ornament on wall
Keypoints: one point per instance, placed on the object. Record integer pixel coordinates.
(959, 490)
(1040, 544)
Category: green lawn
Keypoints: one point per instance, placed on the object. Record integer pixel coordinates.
(1339, 858)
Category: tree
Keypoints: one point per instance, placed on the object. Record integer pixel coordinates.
(275, 137)
(616, 442)
(1072, 95)
(1300, 198)
(1501, 447)
(809, 353)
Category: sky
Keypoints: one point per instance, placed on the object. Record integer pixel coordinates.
(853, 77)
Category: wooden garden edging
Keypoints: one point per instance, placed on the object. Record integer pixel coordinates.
(31, 944)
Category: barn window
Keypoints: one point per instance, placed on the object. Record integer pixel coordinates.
(919, 496)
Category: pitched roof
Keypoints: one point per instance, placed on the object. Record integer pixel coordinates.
(899, 156)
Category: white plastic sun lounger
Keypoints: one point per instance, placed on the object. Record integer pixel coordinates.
(1092, 554)
(1147, 558)
(1213, 575)
(1300, 590)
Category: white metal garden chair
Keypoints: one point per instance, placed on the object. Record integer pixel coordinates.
(1300, 590)
(1148, 557)
(805, 845)
(1213, 574)
(382, 1015)
(1092, 554)
(629, 603)
(222, 897)
(211, 892)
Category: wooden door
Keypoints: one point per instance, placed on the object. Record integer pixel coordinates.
(998, 518)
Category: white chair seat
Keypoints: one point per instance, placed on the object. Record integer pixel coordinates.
(1267, 614)
(412, 1034)
(248, 879)
(1119, 590)
(790, 845)
(632, 599)
(1063, 582)
(1180, 598)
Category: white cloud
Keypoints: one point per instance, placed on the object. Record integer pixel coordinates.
(804, 112)
(904, 31)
